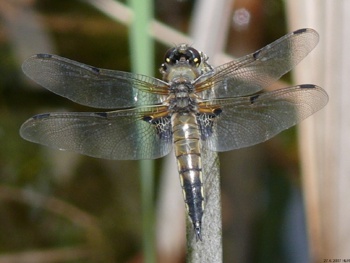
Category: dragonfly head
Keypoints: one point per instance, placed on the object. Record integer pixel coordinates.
(183, 53)
(182, 58)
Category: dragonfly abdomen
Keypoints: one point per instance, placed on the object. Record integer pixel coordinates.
(187, 145)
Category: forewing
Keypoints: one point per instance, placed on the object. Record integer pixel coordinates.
(255, 71)
(250, 120)
(94, 87)
(118, 135)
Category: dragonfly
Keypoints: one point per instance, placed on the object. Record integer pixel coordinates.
(195, 105)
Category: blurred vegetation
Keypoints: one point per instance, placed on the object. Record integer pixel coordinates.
(104, 193)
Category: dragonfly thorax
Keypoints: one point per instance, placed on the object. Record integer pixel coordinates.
(182, 98)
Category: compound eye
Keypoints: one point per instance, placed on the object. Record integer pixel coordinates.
(171, 56)
(193, 56)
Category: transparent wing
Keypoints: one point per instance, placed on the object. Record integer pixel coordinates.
(251, 73)
(94, 87)
(250, 120)
(118, 135)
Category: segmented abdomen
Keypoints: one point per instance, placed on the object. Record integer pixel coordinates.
(187, 145)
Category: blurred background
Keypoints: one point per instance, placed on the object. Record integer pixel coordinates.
(283, 200)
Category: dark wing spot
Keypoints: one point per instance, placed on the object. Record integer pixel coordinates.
(307, 86)
(162, 126)
(41, 116)
(101, 114)
(217, 111)
(254, 98)
(44, 56)
(256, 54)
(300, 31)
(147, 119)
(206, 122)
(94, 69)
